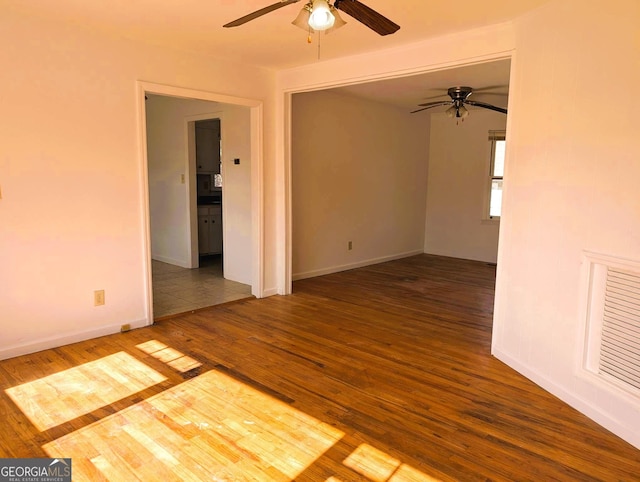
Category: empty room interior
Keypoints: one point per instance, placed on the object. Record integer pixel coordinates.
(321, 241)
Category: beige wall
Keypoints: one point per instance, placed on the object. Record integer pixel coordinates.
(169, 204)
(72, 210)
(358, 174)
(459, 156)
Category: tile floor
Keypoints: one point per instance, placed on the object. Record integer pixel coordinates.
(177, 290)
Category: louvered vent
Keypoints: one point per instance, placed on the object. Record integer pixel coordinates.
(620, 342)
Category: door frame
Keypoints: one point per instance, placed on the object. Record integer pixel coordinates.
(189, 129)
(257, 179)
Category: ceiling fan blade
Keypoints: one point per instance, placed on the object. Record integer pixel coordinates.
(436, 97)
(495, 94)
(432, 104)
(259, 13)
(435, 104)
(367, 16)
(484, 90)
(485, 106)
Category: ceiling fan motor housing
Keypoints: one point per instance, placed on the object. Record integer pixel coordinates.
(459, 93)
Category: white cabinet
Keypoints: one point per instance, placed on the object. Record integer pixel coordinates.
(210, 229)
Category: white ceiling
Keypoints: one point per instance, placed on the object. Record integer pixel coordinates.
(489, 80)
(270, 41)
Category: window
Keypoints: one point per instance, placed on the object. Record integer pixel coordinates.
(496, 172)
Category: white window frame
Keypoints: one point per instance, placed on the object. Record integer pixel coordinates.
(494, 135)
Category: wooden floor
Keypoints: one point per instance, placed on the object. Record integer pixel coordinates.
(376, 374)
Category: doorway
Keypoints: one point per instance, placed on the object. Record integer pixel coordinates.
(179, 290)
(171, 184)
(209, 186)
(421, 208)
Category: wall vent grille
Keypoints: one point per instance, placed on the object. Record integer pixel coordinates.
(620, 341)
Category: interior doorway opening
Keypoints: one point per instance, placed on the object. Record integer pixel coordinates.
(183, 273)
(404, 180)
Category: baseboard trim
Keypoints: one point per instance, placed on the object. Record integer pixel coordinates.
(268, 292)
(594, 413)
(175, 262)
(357, 264)
(66, 339)
(482, 259)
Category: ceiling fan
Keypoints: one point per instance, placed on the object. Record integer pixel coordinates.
(318, 15)
(459, 98)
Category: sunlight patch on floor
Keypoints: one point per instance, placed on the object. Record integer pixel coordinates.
(379, 466)
(406, 473)
(172, 357)
(66, 395)
(372, 463)
(210, 427)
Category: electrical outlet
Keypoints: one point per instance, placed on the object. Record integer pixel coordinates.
(350, 245)
(125, 327)
(98, 297)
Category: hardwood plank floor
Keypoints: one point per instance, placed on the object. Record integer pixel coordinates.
(381, 374)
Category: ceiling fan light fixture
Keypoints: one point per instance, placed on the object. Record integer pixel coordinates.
(321, 17)
(339, 22)
(457, 111)
(302, 20)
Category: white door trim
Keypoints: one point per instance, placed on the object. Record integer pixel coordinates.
(257, 180)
